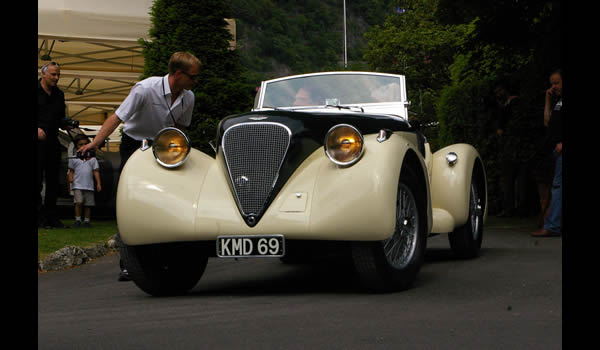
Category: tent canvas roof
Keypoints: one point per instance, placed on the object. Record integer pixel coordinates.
(102, 21)
(96, 45)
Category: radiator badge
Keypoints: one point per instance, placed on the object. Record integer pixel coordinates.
(241, 181)
(258, 118)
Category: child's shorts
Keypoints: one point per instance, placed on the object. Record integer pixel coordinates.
(84, 197)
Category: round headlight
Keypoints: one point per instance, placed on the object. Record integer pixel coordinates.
(171, 147)
(344, 144)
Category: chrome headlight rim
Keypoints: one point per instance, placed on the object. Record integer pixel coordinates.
(356, 158)
(156, 139)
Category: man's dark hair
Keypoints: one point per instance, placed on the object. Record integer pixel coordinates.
(557, 71)
(508, 84)
(182, 61)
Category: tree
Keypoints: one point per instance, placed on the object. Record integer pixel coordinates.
(414, 43)
(455, 50)
(199, 27)
(520, 41)
(522, 38)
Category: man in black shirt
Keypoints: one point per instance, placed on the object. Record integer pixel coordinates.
(50, 116)
(553, 119)
(516, 141)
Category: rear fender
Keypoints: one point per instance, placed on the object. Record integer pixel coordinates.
(450, 186)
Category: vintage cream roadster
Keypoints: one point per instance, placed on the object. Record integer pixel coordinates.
(324, 163)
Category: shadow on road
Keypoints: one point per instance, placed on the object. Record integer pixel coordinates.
(335, 277)
(322, 277)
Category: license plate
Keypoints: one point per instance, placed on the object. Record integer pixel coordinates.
(250, 246)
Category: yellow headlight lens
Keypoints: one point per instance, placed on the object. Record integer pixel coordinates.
(171, 147)
(344, 144)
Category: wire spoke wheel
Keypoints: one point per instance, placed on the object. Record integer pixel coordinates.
(475, 211)
(393, 264)
(400, 247)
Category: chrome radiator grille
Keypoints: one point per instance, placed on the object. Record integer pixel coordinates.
(254, 153)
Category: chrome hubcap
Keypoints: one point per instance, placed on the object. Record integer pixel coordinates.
(400, 248)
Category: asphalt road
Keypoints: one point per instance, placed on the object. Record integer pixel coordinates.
(508, 298)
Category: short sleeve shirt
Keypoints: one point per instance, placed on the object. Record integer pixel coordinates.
(555, 125)
(147, 109)
(83, 173)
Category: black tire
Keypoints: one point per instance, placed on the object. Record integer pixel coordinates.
(378, 267)
(164, 269)
(465, 241)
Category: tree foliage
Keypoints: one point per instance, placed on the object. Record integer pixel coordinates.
(456, 50)
(199, 27)
(520, 42)
(282, 37)
(413, 42)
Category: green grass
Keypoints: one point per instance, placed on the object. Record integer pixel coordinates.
(51, 240)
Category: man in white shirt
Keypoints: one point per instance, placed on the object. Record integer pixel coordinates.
(153, 104)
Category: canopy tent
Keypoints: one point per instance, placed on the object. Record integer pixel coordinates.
(96, 45)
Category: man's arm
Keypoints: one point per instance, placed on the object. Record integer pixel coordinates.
(107, 128)
(548, 107)
(41, 134)
(70, 179)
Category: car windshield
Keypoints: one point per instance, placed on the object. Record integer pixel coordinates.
(332, 89)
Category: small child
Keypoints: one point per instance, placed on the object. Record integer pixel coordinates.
(81, 175)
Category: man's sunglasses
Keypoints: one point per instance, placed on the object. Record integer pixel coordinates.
(193, 77)
(45, 67)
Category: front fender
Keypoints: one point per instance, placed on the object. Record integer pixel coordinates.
(320, 201)
(154, 202)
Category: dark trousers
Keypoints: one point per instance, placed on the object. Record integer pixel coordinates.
(127, 148)
(48, 168)
(514, 187)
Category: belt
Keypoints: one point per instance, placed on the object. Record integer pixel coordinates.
(130, 143)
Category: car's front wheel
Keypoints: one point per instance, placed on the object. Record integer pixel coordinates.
(393, 264)
(164, 269)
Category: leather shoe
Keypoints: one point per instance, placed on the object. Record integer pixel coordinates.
(55, 223)
(124, 276)
(545, 233)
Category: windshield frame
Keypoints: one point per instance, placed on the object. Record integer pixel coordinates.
(378, 107)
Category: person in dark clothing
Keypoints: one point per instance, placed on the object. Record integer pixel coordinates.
(51, 115)
(553, 119)
(515, 139)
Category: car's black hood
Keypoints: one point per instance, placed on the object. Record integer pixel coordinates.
(308, 131)
(316, 124)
